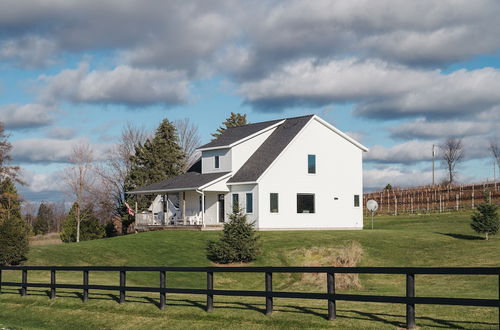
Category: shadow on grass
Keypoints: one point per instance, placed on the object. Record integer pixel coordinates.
(462, 236)
(348, 314)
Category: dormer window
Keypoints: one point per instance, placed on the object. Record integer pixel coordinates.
(217, 162)
(311, 164)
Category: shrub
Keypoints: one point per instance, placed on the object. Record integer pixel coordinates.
(485, 220)
(347, 255)
(14, 243)
(238, 243)
(90, 228)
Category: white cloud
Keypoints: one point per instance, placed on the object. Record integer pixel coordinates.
(123, 85)
(397, 176)
(29, 51)
(381, 90)
(425, 129)
(47, 150)
(21, 116)
(415, 151)
(61, 133)
(409, 152)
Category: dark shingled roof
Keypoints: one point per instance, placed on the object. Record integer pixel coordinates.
(233, 134)
(270, 149)
(181, 182)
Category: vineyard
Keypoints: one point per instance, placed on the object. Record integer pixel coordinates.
(432, 199)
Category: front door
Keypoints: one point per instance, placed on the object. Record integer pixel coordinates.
(222, 212)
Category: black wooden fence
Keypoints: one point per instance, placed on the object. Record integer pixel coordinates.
(330, 296)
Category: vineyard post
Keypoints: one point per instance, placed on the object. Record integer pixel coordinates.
(395, 205)
(473, 197)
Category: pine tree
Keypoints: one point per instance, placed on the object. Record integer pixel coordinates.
(90, 228)
(13, 232)
(234, 120)
(238, 243)
(485, 220)
(44, 218)
(10, 202)
(158, 159)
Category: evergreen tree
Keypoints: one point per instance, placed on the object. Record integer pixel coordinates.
(90, 228)
(44, 218)
(13, 232)
(234, 120)
(10, 202)
(485, 220)
(238, 243)
(158, 159)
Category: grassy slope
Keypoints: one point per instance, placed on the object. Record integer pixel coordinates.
(437, 240)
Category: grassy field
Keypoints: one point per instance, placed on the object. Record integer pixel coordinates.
(427, 240)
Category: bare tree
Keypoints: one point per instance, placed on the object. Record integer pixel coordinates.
(495, 151)
(5, 148)
(452, 152)
(80, 179)
(189, 140)
(115, 168)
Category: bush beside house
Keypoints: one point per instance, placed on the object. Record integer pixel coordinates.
(238, 243)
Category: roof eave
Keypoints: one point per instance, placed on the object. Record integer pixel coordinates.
(342, 134)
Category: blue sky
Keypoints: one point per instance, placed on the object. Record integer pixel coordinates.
(398, 76)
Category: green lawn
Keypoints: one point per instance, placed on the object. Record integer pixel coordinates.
(427, 240)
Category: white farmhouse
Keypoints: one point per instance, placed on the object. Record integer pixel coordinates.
(293, 173)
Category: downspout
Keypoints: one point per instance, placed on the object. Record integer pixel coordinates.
(202, 193)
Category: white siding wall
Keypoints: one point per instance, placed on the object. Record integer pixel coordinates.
(241, 152)
(338, 174)
(242, 190)
(208, 161)
(211, 213)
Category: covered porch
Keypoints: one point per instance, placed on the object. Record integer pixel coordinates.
(192, 200)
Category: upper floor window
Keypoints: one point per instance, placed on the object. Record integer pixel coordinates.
(273, 198)
(217, 162)
(249, 203)
(311, 164)
(356, 200)
(305, 203)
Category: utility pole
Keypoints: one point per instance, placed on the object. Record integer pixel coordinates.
(433, 156)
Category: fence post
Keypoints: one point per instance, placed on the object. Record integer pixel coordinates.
(210, 286)
(123, 279)
(52, 283)
(410, 307)
(163, 295)
(24, 279)
(269, 289)
(85, 283)
(330, 283)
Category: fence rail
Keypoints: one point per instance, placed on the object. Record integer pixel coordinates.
(330, 296)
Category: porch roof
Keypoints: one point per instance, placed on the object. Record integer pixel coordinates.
(187, 181)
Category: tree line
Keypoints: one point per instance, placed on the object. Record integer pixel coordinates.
(97, 186)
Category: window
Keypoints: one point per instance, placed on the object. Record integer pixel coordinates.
(217, 162)
(356, 200)
(200, 202)
(311, 164)
(249, 204)
(273, 197)
(236, 202)
(305, 203)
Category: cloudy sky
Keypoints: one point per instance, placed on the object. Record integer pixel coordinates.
(397, 75)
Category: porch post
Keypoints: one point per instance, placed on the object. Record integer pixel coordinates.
(184, 208)
(167, 221)
(203, 209)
